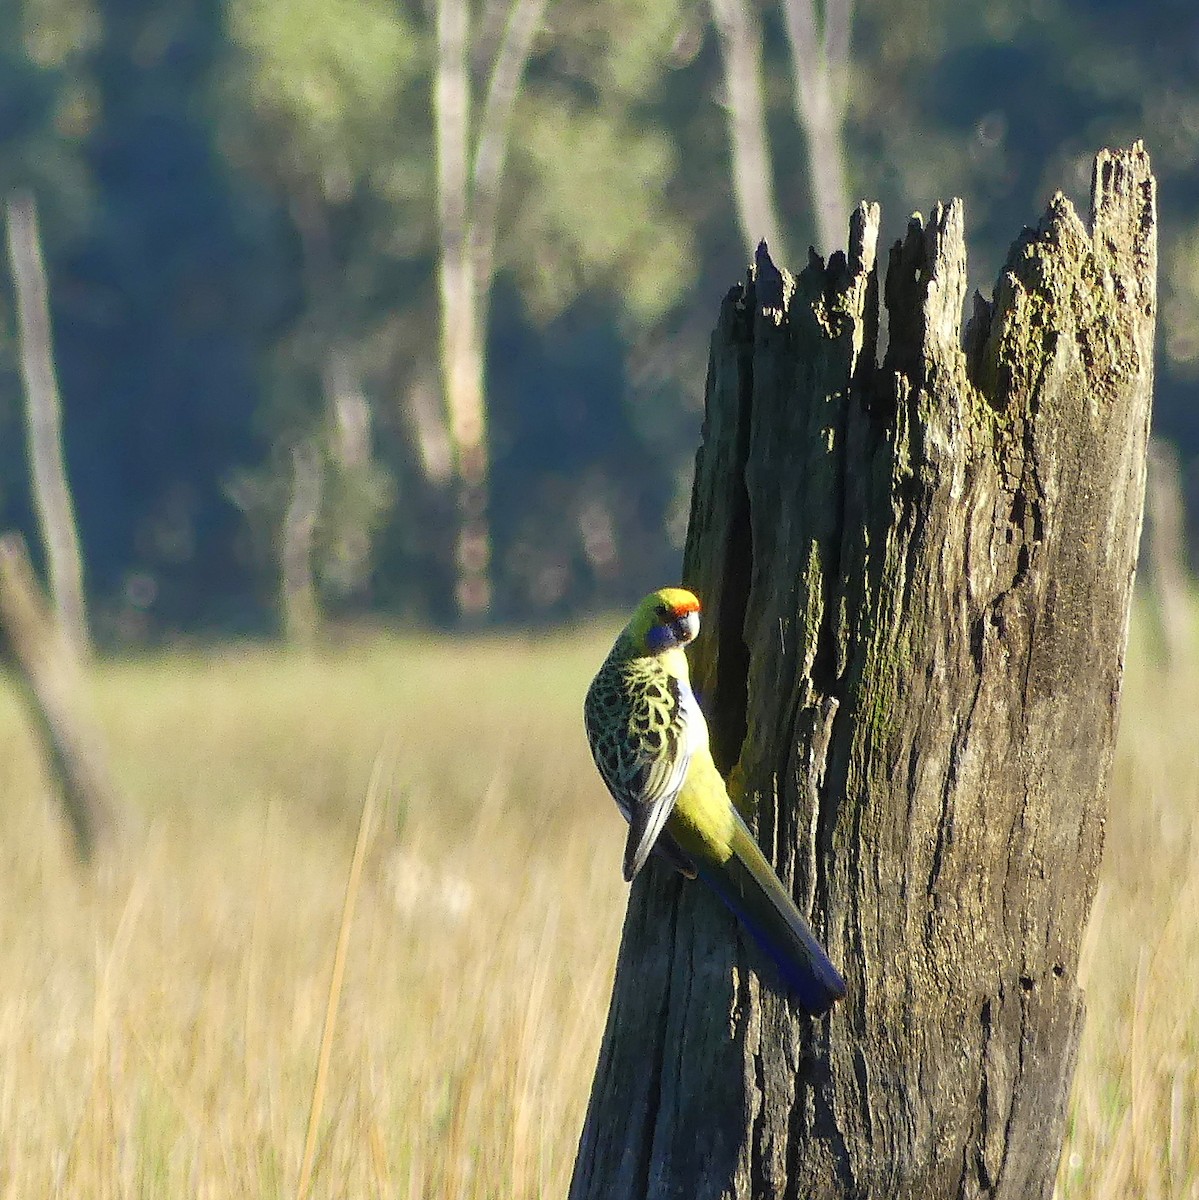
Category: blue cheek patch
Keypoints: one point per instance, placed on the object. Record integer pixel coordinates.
(659, 638)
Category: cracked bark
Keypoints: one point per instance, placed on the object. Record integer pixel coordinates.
(916, 579)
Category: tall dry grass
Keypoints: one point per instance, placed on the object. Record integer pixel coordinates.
(161, 1023)
(1134, 1126)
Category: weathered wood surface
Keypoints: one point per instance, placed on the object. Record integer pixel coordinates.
(917, 579)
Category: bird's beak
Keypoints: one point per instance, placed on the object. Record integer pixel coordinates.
(686, 627)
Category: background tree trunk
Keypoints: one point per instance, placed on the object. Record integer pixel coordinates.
(468, 197)
(43, 412)
(297, 583)
(49, 679)
(462, 340)
(819, 76)
(916, 581)
(749, 143)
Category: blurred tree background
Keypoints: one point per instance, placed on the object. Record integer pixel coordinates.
(246, 221)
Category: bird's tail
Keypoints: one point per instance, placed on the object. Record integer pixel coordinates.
(748, 885)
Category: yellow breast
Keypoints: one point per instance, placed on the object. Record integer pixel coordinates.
(703, 820)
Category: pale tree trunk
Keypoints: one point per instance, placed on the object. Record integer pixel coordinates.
(749, 144)
(916, 580)
(819, 67)
(43, 409)
(468, 187)
(462, 346)
(347, 559)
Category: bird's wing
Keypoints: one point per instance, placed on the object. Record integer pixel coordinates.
(639, 738)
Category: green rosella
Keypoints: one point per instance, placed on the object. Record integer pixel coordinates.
(650, 742)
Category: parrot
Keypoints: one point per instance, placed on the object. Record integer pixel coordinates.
(649, 739)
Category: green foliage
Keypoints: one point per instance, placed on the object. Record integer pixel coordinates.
(328, 79)
(594, 211)
(42, 109)
(237, 193)
(620, 49)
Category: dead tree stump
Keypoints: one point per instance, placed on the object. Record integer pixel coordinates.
(916, 579)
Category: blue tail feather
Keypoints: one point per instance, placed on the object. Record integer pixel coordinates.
(798, 957)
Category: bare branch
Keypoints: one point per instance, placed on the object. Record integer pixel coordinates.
(452, 117)
(43, 411)
(753, 173)
(807, 51)
(485, 44)
(838, 20)
(819, 97)
(491, 150)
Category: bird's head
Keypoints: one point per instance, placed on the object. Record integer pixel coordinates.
(664, 620)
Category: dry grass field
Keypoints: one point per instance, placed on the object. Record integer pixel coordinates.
(161, 1022)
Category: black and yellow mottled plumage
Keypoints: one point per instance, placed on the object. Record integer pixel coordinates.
(650, 743)
(636, 725)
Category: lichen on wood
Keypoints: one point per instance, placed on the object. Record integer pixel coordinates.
(916, 575)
